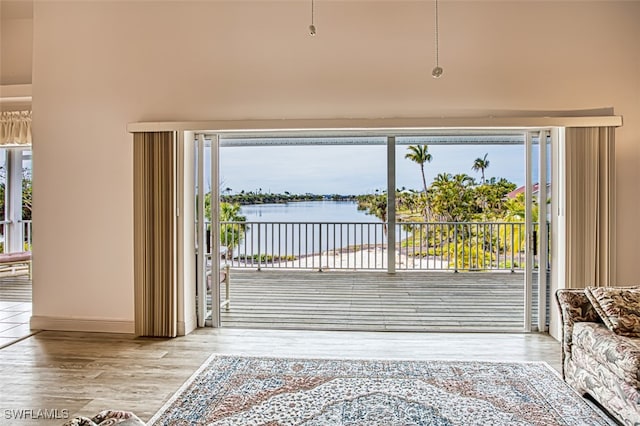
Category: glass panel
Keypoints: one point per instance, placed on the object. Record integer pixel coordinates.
(27, 199)
(26, 184)
(303, 203)
(460, 201)
(202, 166)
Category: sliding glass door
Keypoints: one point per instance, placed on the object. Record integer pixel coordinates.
(207, 231)
(538, 159)
(426, 229)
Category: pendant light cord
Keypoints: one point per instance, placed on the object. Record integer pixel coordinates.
(437, 37)
(437, 70)
(312, 27)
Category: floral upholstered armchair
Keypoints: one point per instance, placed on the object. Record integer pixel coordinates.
(601, 347)
(107, 418)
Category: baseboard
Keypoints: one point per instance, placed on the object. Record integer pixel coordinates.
(81, 324)
(186, 327)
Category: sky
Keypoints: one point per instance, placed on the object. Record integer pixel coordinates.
(329, 169)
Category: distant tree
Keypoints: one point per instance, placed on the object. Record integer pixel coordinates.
(481, 164)
(27, 201)
(231, 234)
(420, 154)
(409, 200)
(515, 209)
(374, 204)
(443, 177)
(451, 197)
(491, 197)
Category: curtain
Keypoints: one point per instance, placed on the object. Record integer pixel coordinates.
(590, 206)
(155, 271)
(15, 128)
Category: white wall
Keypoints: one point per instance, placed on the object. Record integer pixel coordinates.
(100, 65)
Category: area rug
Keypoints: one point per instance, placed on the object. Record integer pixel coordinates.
(235, 390)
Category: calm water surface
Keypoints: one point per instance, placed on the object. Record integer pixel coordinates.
(307, 211)
(342, 226)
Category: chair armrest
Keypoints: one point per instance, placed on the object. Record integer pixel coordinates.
(574, 307)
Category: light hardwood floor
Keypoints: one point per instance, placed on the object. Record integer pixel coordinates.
(85, 373)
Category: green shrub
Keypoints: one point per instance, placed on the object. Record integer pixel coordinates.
(267, 258)
(469, 258)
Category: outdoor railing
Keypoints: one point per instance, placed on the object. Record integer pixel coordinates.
(26, 235)
(461, 245)
(3, 235)
(453, 246)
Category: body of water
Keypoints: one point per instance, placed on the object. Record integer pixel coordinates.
(307, 211)
(299, 228)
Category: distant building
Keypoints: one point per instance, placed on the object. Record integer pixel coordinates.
(536, 188)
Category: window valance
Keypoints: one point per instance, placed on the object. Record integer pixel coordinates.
(15, 128)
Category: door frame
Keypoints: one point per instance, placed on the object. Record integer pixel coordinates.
(544, 137)
(379, 127)
(204, 272)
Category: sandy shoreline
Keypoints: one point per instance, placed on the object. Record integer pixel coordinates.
(372, 258)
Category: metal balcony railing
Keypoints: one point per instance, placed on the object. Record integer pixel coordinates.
(453, 246)
(26, 235)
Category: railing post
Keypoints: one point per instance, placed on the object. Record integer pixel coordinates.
(513, 230)
(259, 259)
(455, 247)
(391, 204)
(320, 246)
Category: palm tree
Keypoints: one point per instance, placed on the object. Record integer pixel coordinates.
(442, 178)
(420, 154)
(481, 164)
(231, 234)
(450, 197)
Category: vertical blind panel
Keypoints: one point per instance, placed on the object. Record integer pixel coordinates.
(154, 234)
(590, 203)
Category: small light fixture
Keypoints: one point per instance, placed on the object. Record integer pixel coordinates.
(312, 27)
(437, 70)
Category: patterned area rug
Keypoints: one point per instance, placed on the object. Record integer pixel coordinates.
(231, 390)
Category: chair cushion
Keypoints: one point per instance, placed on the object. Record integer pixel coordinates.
(619, 354)
(618, 307)
(15, 257)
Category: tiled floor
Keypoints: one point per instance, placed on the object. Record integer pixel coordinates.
(14, 321)
(15, 308)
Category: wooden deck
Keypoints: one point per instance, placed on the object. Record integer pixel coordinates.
(377, 301)
(361, 301)
(15, 288)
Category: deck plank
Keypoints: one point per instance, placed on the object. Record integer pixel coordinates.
(15, 288)
(361, 301)
(377, 301)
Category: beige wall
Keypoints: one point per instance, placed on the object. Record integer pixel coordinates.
(100, 65)
(16, 40)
